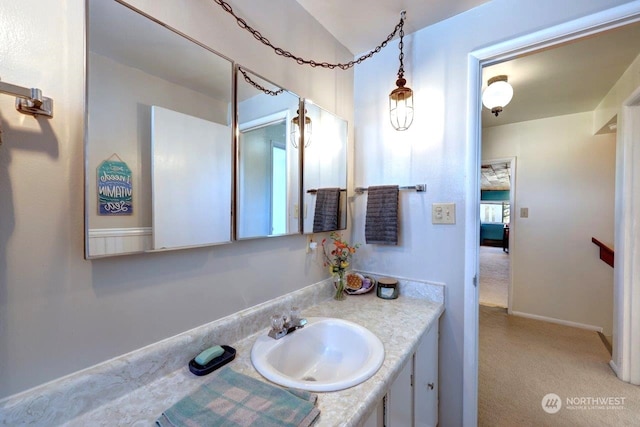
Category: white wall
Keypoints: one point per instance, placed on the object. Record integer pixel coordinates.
(566, 177)
(60, 313)
(609, 107)
(434, 151)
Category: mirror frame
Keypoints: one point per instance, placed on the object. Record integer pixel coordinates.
(237, 158)
(86, 143)
(234, 144)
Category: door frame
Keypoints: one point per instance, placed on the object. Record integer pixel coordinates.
(625, 360)
(625, 254)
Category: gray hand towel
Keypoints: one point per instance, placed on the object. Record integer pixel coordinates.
(325, 217)
(381, 226)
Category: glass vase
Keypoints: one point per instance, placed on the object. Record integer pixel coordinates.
(340, 286)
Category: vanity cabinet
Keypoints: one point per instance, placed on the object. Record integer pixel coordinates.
(412, 399)
(425, 380)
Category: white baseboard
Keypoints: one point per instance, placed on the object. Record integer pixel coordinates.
(614, 368)
(557, 321)
(114, 241)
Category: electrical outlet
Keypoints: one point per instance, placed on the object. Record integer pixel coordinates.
(443, 213)
(312, 245)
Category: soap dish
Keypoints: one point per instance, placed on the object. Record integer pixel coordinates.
(226, 357)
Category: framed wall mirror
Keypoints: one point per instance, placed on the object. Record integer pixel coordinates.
(268, 164)
(158, 137)
(325, 171)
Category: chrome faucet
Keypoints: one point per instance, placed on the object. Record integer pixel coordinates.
(281, 326)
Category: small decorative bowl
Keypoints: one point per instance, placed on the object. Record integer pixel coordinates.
(368, 284)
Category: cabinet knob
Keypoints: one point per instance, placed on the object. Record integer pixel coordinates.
(430, 385)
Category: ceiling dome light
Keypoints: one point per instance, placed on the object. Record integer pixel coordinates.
(497, 95)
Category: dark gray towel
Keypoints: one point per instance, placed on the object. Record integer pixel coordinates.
(381, 226)
(325, 217)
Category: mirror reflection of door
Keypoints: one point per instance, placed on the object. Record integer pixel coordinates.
(268, 165)
(263, 180)
(278, 187)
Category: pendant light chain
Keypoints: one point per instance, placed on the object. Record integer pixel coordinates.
(401, 45)
(301, 61)
(258, 85)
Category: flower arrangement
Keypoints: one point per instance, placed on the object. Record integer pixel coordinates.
(338, 258)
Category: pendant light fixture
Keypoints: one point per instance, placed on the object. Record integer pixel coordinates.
(401, 98)
(497, 94)
(296, 132)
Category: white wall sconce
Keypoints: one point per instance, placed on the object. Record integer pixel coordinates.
(497, 94)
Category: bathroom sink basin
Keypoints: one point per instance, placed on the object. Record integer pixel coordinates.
(328, 354)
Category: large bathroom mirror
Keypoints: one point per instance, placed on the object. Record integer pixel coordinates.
(268, 165)
(158, 138)
(325, 171)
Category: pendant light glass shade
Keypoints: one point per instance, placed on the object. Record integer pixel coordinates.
(295, 130)
(401, 106)
(497, 95)
(401, 98)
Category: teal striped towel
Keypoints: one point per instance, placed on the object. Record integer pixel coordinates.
(231, 399)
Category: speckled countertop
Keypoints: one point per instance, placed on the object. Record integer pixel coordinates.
(125, 392)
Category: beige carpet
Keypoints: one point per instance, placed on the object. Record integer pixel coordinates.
(522, 360)
(494, 276)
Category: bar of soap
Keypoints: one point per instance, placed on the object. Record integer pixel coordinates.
(209, 354)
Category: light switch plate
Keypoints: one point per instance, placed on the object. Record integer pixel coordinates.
(443, 213)
(524, 212)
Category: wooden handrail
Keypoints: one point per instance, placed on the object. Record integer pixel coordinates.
(606, 252)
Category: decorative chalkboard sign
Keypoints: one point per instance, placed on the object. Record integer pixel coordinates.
(115, 191)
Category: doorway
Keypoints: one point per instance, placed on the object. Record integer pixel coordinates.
(625, 285)
(496, 199)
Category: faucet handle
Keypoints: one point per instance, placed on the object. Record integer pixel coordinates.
(294, 315)
(295, 321)
(277, 322)
(278, 329)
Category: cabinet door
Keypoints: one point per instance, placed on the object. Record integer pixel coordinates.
(399, 408)
(426, 379)
(376, 418)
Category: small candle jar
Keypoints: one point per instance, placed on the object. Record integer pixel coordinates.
(387, 288)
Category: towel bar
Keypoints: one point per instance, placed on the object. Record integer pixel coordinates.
(315, 190)
(420, 188)
(29, 101)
